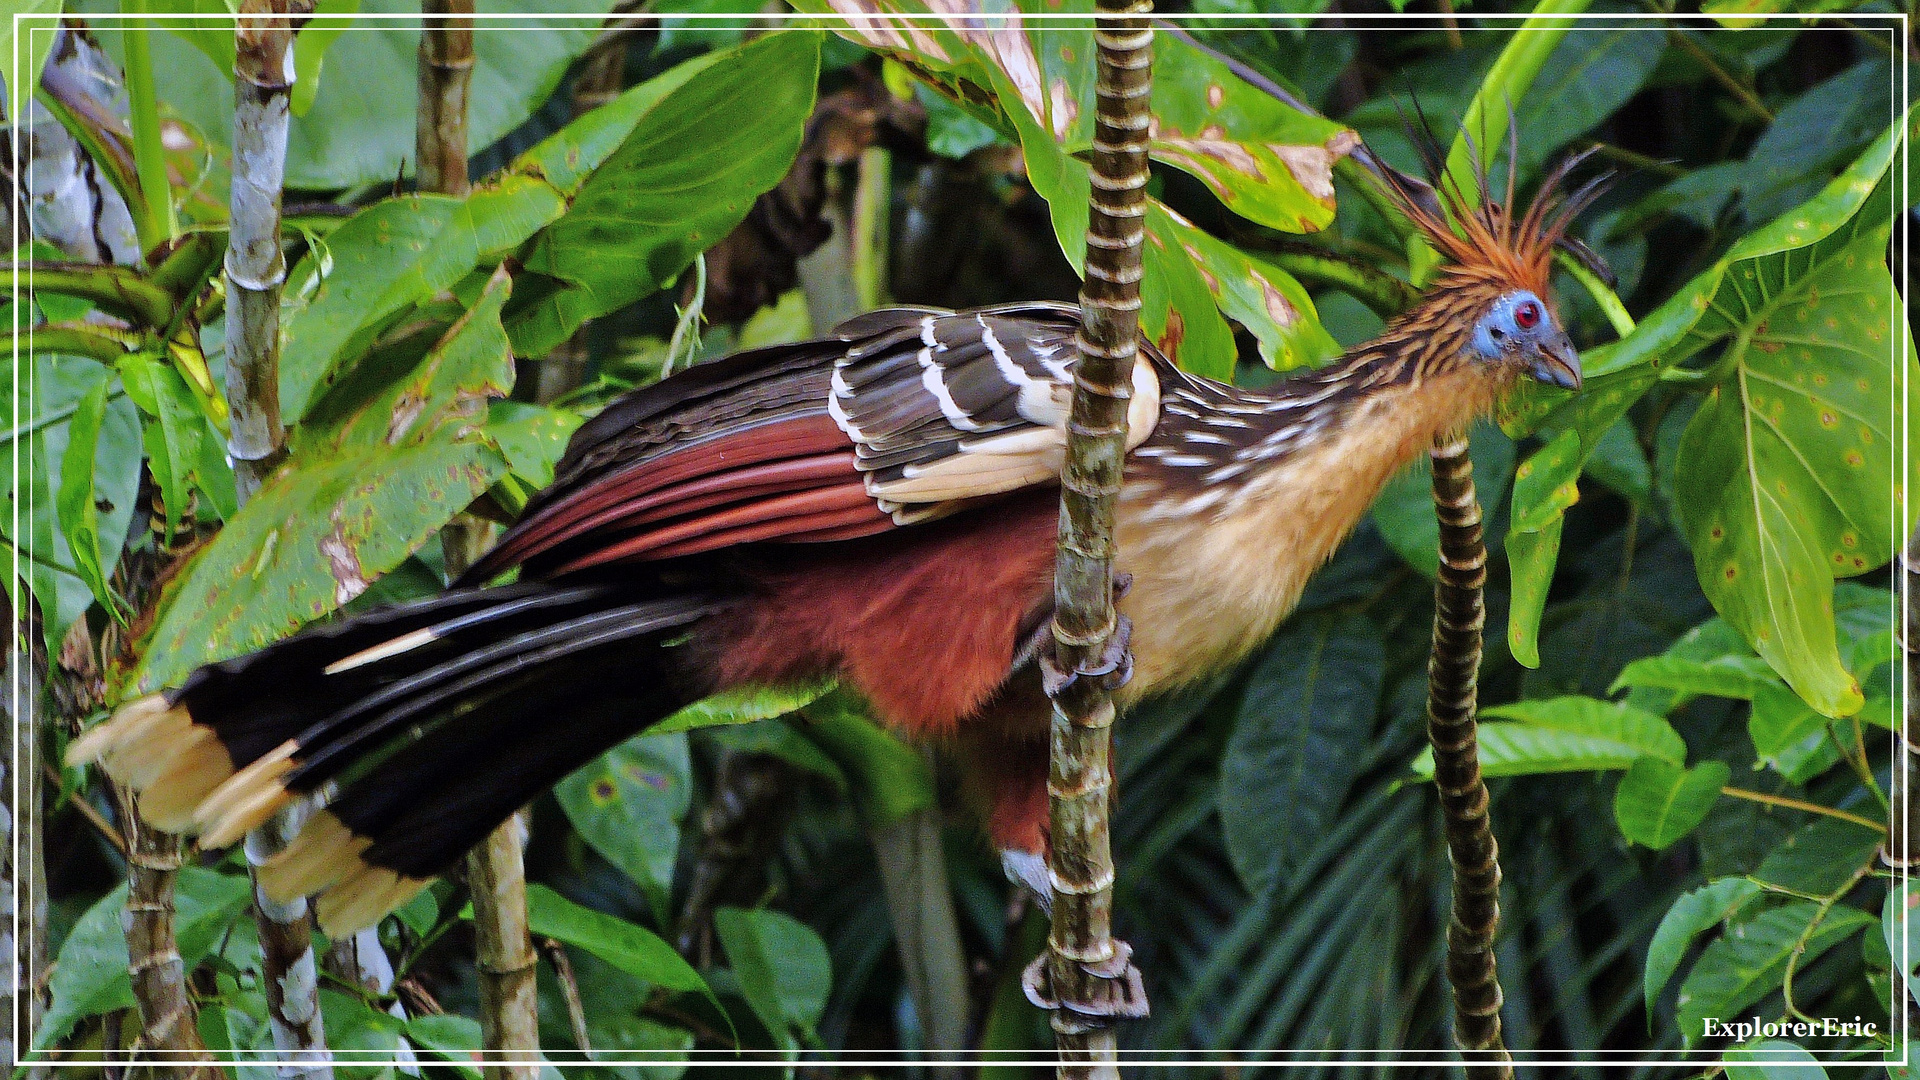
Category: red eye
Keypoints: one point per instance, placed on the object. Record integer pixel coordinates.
(1527, 315)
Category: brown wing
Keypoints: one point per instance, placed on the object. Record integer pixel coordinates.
(904, 415)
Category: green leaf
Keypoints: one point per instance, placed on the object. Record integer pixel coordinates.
(1659, 802)
(1297, 743)
(1591, 73)
(1786, 732)
(1263, 159)
(173, 439)
(90, 975)
(1820, 857)
(353, 134)
(1739, 677)
(362, 487)
(571, 154)
(779, 739)
(36, 29)
(633, 949)
(1896, 926)
(1749, 961)
(744, 705)
(310, 51)
(1530, 561)
(1772, 1059)
(1177, 311)
(890, 779)
(1784, 471)
(684, 177)
(453, 1039)
(78, 515)
(385, 259)
(1568, 734)
(533, 437)
(1694, 913)
(782, 965)
(627, 806)
(1265, 299)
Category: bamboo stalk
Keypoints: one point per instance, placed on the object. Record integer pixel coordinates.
(159, 976)
(255, 265)
(496, 869)
(509, 1001)
(256, 269)
(1453, 677)
(1087, 972)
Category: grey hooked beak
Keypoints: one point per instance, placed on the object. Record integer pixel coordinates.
(1557, 362)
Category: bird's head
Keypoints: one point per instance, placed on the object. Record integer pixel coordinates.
(1490, 305)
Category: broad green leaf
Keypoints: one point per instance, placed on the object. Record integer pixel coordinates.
(1771, 1059)
(890, 779)
(173, 437)
(1786, 732)
(1530, 561)
(633, 949)
(532, 437)
(1263, 159)
(362, 487)
(1748, 962)
(1568, 734)
(77, 506)
(1619, 462)
(1298, 740)
(310, 50)
(779, 739)
(1659, 802)
(390, 256)
(744, 705)
(683, 178)
(357, 1031)
(627, 806)
(353, 134)
(1814, 136)
(35, 36)
(90, 974)
(1591, 73)
(1897, 915)
(1694, 913)
(1783, 471)
(1177, 310)
(1265, 299)
(1721, 676)
(453, 1039)
(782, 965)
(1820, 857)
(569, 155)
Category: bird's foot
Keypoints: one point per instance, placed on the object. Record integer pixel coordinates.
(1109, 989)
(1114, 666)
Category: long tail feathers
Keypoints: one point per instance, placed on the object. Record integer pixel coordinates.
(418, 729)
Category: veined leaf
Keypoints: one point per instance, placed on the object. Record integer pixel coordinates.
(1659, 802)
(1749, 961)
(782, 965)
(387, 258)
(1693, 913)
(359, 492)
(1568, 734)
(1772, 1059)
(1722, 676)
(173, 437)
(684, 176)
(1297, 742)
(1530, 560)
(627, 805)
(633, 949)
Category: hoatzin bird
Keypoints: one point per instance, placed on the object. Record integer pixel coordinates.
(878, 506)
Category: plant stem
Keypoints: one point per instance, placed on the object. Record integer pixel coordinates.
(1609, 301)
(1385, 295)
(445, 72)
(256, 268)
(1797, 804)
(156, 222)
(1460, 617)
(1720, 75)
(1081, 949)
(509, 1004)
(159, 976)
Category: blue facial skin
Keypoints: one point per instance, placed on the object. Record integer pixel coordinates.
(1519, 327)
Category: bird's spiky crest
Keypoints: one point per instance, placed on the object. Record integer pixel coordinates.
(1482, 240)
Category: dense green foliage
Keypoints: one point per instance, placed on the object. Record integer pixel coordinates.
(1690, 677)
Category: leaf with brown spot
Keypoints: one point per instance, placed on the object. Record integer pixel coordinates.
(346, 507)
